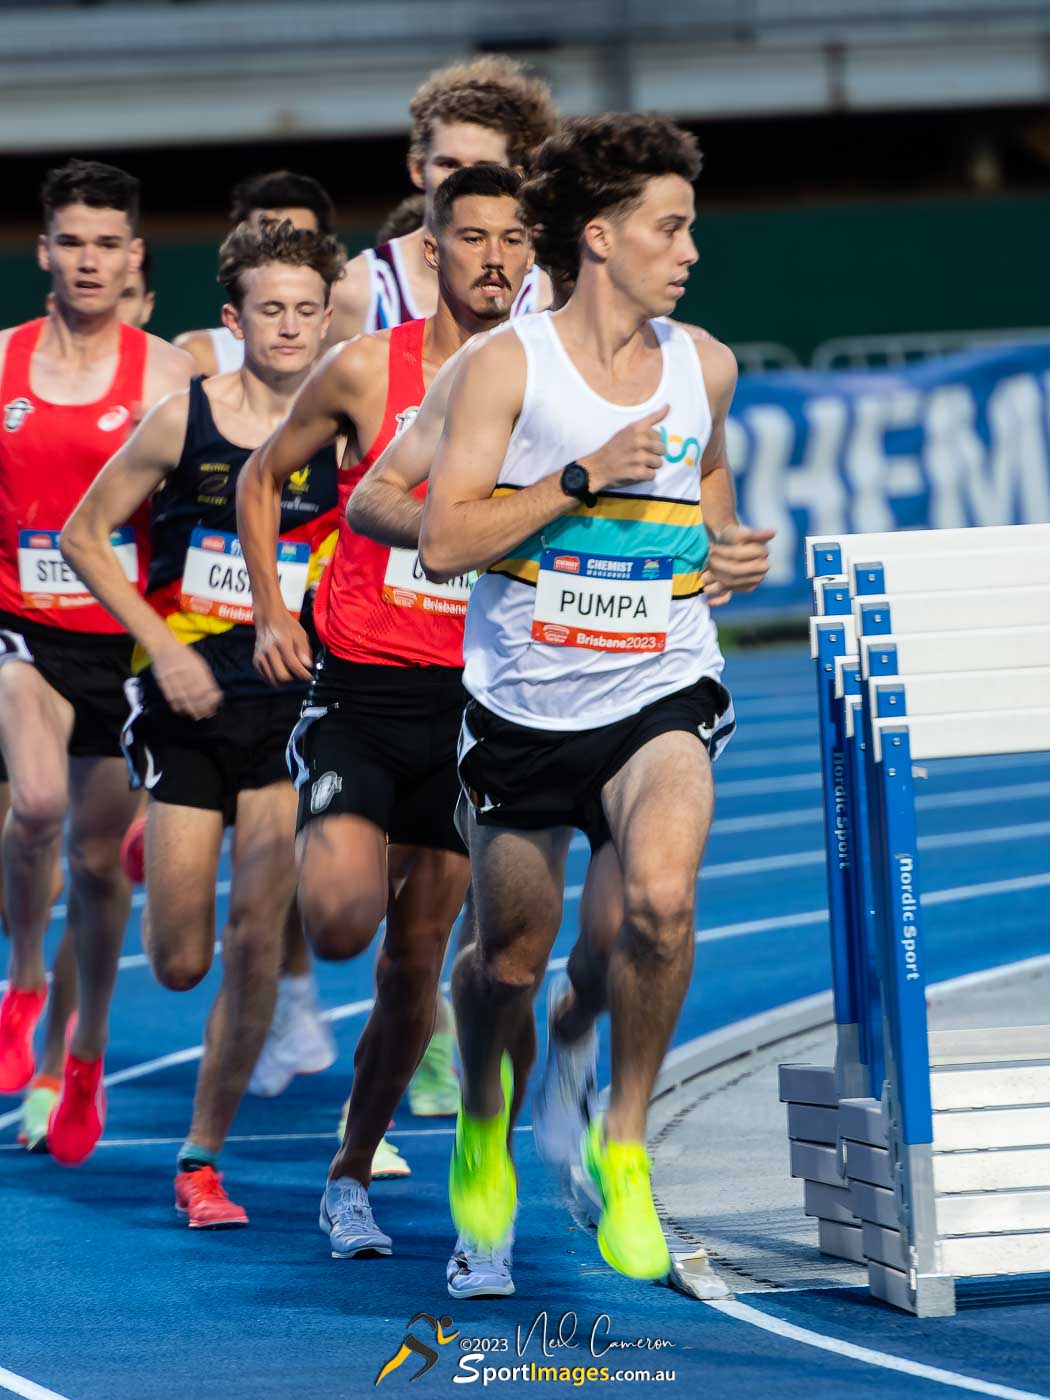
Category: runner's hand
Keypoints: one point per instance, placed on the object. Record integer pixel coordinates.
(738, 558)
(186, 682)
(635, 454)
(282, 651)
(716, 595)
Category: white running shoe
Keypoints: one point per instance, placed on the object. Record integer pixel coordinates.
(566, 1096)
(480, 1273)
(346, 1218)
(299, 1042)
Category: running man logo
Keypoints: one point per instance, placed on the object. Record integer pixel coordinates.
(15, 414)
(412, 1345)
(299, 481)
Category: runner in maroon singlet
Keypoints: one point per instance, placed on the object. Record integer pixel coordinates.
(374, 753)
(488, 109)
(71, 385)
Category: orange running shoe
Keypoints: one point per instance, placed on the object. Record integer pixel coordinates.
(78, 1118)
(199, 1194)
(133, 851)
(19, 1012)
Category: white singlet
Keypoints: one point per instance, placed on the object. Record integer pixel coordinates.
(601, 612)
(229, 351)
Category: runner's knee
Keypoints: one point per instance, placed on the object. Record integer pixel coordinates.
(658, 913)
(39, 814)
(94, 862)
(339, 928)
(179, 968)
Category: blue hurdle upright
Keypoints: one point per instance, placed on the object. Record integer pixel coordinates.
(914, 663)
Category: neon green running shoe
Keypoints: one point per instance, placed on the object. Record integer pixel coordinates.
(388, 1162)
(629, 1233)
(36, 1111)
(433, 1091)
(482, 1186)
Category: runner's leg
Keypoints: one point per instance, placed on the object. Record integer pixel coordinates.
(419, 920)
(660, 843)
(99, 891)
(35, 725)
(262, 886)
(183, 845)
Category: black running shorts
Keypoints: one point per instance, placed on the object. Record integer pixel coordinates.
(379, 742)
(86, 668)
(207, 763)
(534, 779)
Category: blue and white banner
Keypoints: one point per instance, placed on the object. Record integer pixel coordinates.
(952, 442)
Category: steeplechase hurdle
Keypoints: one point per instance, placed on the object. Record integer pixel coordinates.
(924, 1156)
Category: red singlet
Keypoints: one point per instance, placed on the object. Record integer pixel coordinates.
(49, 455)
(374, 606)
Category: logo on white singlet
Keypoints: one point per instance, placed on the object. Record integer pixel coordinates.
(15, 414)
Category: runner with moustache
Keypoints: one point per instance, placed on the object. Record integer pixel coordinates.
(374, 753)
(591, 658)
(485, 111)
(71, 384)
(206, 737)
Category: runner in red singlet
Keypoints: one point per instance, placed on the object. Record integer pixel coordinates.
(374, 752)
(71, 385)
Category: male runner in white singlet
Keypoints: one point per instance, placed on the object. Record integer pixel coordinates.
(487, 110)
(590, 653)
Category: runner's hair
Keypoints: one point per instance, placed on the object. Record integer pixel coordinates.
(246, 248)
(92, 183)
(492, 91)
(282, 189)
(404, 218)
(594, 166)
(487, 180)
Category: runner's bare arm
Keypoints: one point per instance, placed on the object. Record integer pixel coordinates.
(201, 348)
(351, 296)
(382, 505)
(738, 559)
(317, 417)
(127, 480)
(168, 370)
(464, 526)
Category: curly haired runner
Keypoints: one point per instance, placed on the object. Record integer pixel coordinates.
(590, 653)
(487, 110)
(206, 737)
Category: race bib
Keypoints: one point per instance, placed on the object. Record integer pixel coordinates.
(46, 579)
(406, 586)
(603, 604)
(215, 580)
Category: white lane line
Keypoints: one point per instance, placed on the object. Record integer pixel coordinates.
(326, 1136)
(762, 865)
(187, 1056)
(18, 1385)
(743, 1312)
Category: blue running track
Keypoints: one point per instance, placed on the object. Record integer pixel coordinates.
(108, 1297)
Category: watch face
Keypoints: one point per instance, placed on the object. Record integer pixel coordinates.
(575, 478)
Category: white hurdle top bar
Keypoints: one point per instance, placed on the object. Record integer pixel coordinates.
(884, 544)
(974, 733)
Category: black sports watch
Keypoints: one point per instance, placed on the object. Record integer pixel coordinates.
(576, 482)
